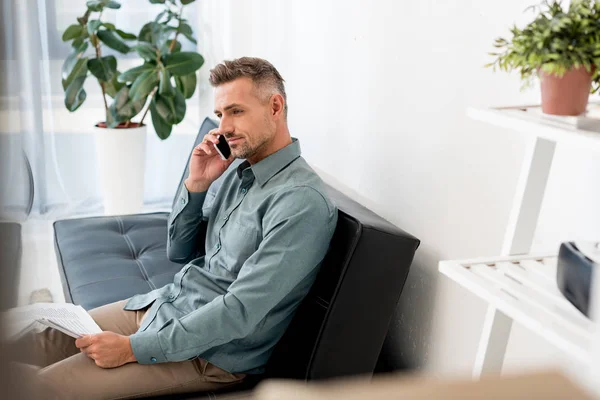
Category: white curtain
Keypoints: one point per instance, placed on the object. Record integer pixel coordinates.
(37, 131)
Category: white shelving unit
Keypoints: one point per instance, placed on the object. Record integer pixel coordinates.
(519, 286)
(524, 288)
(530, 121)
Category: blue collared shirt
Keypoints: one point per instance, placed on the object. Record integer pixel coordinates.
(269, 227)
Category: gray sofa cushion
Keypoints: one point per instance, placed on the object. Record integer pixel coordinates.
(107, 259)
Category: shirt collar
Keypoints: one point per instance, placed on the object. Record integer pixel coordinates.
(271, 165)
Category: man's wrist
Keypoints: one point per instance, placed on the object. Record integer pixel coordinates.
(131, 357)
(196, 186)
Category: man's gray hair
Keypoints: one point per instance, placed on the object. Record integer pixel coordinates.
(263, 74)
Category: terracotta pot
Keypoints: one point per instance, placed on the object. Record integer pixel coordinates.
(567, 95)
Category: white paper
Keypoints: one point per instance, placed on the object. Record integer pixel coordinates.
(68, 318)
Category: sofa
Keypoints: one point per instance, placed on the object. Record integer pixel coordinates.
(10, 263)
(339, 328)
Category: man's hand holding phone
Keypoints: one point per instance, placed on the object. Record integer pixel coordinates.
(206, 164)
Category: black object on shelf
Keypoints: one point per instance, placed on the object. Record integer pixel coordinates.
(576, 261)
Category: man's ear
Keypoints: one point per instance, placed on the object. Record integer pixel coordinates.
(277, 105)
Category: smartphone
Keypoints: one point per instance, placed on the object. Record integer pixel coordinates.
(223, 148)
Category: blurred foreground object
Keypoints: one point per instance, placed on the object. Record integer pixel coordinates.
(541, 385)
(15, 383)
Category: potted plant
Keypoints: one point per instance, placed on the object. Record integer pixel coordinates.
(560, 46)
(160, 86)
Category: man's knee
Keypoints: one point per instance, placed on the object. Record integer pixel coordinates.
(71, 378)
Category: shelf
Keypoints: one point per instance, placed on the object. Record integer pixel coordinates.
(580, 131)
(524, 288)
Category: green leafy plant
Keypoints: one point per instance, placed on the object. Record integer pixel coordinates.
(161, 85)
(92, 33)
(556, 41)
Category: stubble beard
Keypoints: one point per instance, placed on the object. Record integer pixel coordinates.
(244, 150)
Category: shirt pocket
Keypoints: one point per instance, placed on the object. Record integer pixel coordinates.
(239, 243)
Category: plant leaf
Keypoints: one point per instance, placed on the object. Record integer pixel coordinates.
(95, 5)
(154, 33)
(176, 48)
(71, 60)
(186, 84)
(79, 69)
(113, 86)
(109, 26)
(185, 29)
(113, 4)
(131, 74)
(143, 85)
(125, 35)
(75, 94)
(185, 2)
(72, 32)
(183, 63)
(123, 107)
(180, 106)
(77, 43)
(165, 108)
(147, 51)
(172, 110)
(145, 34)
(162, 127)
(119, 102)
(103, 68)
(165, 88)
(191, 39)
(157, 1)
(110, 39)
(160, 15)
(93, 25)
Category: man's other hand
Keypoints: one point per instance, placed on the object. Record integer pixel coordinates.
(107, 349)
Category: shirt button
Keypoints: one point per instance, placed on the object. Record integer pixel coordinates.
(171, 297)
(153, 359)
(182, 201)
(244, 190)
(218, 246)
(225, 218)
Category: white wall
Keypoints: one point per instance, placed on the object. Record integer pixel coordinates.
(383, 86)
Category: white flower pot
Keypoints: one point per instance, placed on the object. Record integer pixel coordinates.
(121, 156)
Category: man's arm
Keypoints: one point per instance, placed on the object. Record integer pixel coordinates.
(184, 225)
(184, 222)
(295, 242)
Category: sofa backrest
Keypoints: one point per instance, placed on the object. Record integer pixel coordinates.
(339, 328)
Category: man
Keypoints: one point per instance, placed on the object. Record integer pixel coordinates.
(269, 228)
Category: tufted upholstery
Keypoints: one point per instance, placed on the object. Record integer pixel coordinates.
(112, 258)
(339, 328)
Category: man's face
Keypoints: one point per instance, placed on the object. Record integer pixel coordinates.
(245, 118)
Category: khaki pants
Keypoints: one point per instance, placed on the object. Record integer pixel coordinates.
(70, 374)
